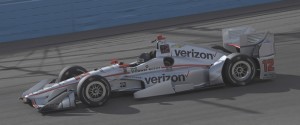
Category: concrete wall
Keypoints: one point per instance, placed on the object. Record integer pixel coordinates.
(23, 19)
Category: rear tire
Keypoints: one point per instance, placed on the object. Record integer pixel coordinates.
(93, 90)
(238, 70)
(69, 72)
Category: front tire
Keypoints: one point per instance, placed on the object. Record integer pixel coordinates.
(93, 90)
(69, 72)
(239, 70)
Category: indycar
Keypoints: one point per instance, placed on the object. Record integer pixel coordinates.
(169, 68)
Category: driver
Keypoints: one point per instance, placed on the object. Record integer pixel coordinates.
(144, 57)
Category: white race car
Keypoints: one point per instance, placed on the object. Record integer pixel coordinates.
(169, 68)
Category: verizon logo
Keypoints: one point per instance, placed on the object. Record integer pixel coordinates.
(194, 54)
(163, 78)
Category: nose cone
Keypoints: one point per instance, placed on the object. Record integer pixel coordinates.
(24, 99)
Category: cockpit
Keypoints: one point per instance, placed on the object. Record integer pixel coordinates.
(144, 57)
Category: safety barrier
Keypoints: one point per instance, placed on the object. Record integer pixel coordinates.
(23, 19)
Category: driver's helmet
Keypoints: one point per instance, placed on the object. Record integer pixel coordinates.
(144, 57)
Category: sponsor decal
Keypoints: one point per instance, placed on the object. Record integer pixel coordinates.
(122, 84)
(194, 54)
(268, 65)
(133, 77)
(134, 69)
(164, 48)
(163, 78)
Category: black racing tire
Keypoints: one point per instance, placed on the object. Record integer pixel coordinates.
(93, 90)
(238, 70)
(69, 72)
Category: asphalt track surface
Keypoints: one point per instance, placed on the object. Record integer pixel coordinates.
(272, 102)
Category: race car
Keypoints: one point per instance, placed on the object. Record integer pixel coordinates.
(169, 68)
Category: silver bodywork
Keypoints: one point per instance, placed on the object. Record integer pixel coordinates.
(193, 68)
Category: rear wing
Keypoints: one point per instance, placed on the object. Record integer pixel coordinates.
(259, 45)
(232, 37)
(248, 41)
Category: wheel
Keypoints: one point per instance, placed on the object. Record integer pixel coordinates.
(93, 90)
(69, 72)
(238, 70)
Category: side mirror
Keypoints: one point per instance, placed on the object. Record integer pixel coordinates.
(168, 61)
